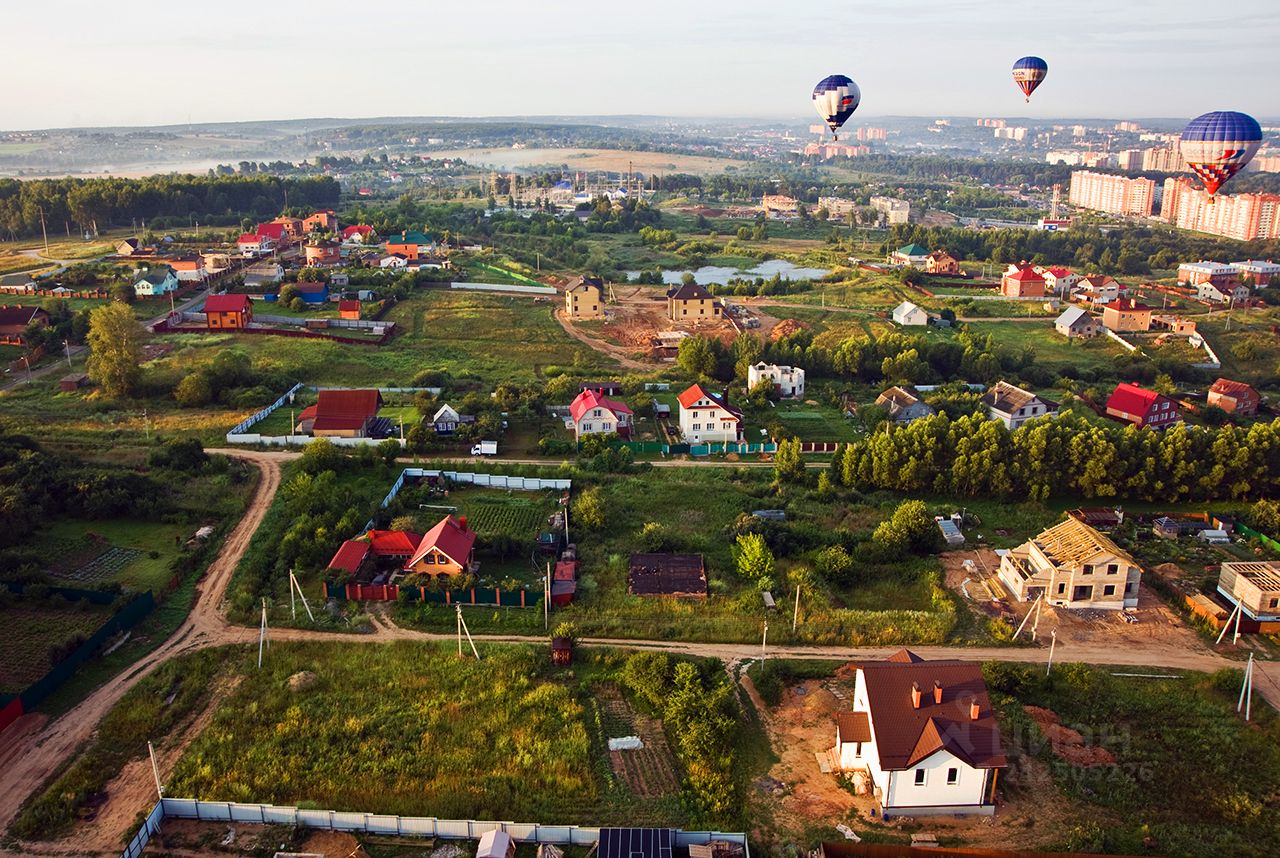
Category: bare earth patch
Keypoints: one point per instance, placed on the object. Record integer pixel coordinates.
(1068, 745)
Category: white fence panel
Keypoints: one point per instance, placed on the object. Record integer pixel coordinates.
(523, 831)
(347, 821)
(248, 813)
(555, 833)
(279, 815)
(455, 828)
(418, 826)
(314, 818)
(584, 836)
(218, 811)
(379, 824)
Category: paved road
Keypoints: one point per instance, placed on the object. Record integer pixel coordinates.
(36, 750)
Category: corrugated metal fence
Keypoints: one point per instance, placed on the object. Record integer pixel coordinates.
(373, 823)
(496, 481)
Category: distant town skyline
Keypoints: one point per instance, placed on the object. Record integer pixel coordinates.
(152, 63)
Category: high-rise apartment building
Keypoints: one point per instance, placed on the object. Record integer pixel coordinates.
(1240, 216)
(1112, 194)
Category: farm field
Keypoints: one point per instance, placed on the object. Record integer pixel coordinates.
(35, 625)
(86, 553)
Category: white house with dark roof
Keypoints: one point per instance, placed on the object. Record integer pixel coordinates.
(924, 734)
(1013, 406)
(1076, 323)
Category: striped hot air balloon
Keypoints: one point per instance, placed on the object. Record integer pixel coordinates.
(1028, 73)
(1217, 145)
(836, 98)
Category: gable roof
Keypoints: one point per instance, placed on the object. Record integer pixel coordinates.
(20, 315)
(590, 399)
(697, 391)
(906, 735)
(1008, 398)
(689, 292)
(905, 307)
(345, 305)
(450, 537)
(1237, 389)
(1127, 305)
(409, 236)
(1060, 271)
(272, 230)
(1024, 275)
(1071, 542)
(156, 276)
(342, 409)
(853, 726)
(249, 238)
(357, 229)
(393, 542)
(1132, 399)
(585, 282)
(350, 555)
(1070, 316)
(898, 397)
(1097, 281)
(227, 303)
(912, 250)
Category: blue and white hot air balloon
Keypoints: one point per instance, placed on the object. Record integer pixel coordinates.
(1028, 73)
(836, 98)
(1217, 145)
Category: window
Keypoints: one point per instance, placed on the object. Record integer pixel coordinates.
(1109, 590)
(429, 558)
(1112, 569)
(1088, 569)
(1274, 603)
(919, 777)
(697, 427)
(953, 777)
(1062, 588)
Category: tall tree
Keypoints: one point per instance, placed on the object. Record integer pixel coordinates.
(115, 349)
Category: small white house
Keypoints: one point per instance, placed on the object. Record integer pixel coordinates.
(705, 417)
(907, 313)
(1013, 406)
(156, 281)
(788, 381)
(394, 260)
(921, 737)
(593, 413)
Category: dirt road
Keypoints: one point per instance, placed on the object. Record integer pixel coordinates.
(36, 750)
(617, 353)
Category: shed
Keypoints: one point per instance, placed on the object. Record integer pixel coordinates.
(950, 531)
(667, 575)
(1215, 537)
(496, 844)
(561, 651)
(73, 382)
(1166, 527)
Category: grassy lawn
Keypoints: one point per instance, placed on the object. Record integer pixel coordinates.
(1051, 348)
(135, 553)
(34, 625)
(816, 422)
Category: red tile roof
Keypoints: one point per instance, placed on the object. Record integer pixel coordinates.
(1132, 399)
(272, 230)
(1024, 275)
(394, 543)
(1059, 271)
(345, 306)
(249, 238)
(697, 391)
(906, 735)
(359, 403)
(311, 287)
(227, 304)
(1233, 388)
(853, 727)
(451, 538)
(359, 229)
(350, 555)
(589, 399)
(1127, 305)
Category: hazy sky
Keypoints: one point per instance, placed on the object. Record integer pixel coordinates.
(142, 62)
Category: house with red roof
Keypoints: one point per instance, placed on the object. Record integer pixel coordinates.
(397, 544)
(277, 232)
(1234, 397)
(594, 413)
(351, 557)
(1126, 314)
(228, 312)
(252, 244)
(1142, 407)
(1216, 292)
(707, 417)
(1058, 280)
(359, 234)
(322, 253)
(347, 414)
(446, 550)
(349, 309)
(1023, 283)
(925, 736)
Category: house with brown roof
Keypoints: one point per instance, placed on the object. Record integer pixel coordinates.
(924, 734)
(325, 221)
(941, 262)
(1223, 293)
(349, 309)
(1013, 406)
(345, 414)
(446, 550)
(1126, 314)
(692, 303)
(903, 404)
(1072, 565)
(1234, 397)
(14, 321)
(228, 312)
(584, 298)
(1097, 289)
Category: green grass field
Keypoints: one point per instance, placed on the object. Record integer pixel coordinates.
(85, 552)
(1050, 347)
(32, 626)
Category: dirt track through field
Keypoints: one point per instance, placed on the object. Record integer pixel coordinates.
(36, 750)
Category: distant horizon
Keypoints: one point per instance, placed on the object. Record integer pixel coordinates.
(155, 63)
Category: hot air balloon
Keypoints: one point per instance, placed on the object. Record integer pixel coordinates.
(836, 98)
(1028, 73)
(1217, 145)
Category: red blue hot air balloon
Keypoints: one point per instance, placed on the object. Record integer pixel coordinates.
(836, 98)
(1217, 145)
(1028, 73)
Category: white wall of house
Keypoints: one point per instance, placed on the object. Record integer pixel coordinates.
(948, 781)
(788, 380)
(707, 421)
(597, 421)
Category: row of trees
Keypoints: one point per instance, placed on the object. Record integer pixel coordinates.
(973, 456)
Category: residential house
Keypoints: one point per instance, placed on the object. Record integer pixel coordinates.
(215, 261)
(397, 545)
(705, 417)
(1255, 587)
(584, 298)
(187, 268)
(1197, 273)
(349, 309)
(682, 575)
(228, 312)
(1013, 406)
(788, 381)
(1257, 272)
(691, 302)
(1022, 283)
(352, 557)
(251, 244)
(592, 413)
(903, 404)
(1072, 565)
(446, 550)
(910, 255)
(925, 736)
(280, 233)
(410, 244)
(1234, 397)
(15, 320)
(1076, 323)
(128, 247)
(1126, 314)
(313, 291)
(1172, 324)
(317, 253)
(941, 262)
(322, 221)
(779, 205)
(346, 414)
(1097, 289)
(160, 280)
(394, 260)
(1222, 293)
(1058, 280)
(359, 234)
(907, 314)
(263, 274)
(1142, 407)
(447, 420)
(72, 382)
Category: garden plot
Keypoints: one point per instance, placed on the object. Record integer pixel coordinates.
(103, 566)
(648, 771)
(33, 628)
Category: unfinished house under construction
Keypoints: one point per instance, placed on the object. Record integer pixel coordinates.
(1072, 566)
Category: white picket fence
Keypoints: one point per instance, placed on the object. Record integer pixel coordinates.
(385, 824)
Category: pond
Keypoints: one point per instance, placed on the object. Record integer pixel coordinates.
(721, 274)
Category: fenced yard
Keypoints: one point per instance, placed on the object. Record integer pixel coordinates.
(33, 627)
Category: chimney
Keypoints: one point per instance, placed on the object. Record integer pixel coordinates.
(462, 522)
(915, 695)
(937, 691)
(974, 711)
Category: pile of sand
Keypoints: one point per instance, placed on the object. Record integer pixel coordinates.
(1068, 745)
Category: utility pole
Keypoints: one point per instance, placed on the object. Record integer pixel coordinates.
(1053, 635)
(1246, 689)
(546, 599)
(262, 633)
(67, 345)
(462, 624)
(764, 640)
(155, 771)
(44, 232)
(795, 617)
